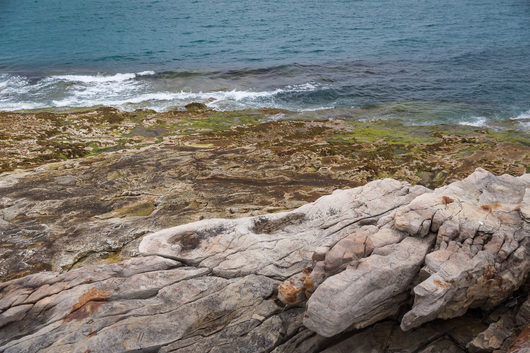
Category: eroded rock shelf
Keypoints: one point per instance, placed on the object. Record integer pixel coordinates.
(144, 171)
(384, 267)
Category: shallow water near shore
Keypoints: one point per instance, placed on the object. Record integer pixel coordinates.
(451, 62)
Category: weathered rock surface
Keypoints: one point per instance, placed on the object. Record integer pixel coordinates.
(281, 244)
(481, 255)
(144, 171)
(386, 267)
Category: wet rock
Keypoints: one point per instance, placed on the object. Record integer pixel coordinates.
(143, 171)
(195, 106)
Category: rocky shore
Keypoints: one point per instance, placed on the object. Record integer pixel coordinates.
(199, 230)
(127, 174)
(386, 267)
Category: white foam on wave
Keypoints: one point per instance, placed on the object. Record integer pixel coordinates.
(523, 119)
(522, 116)
(13, 84)
(525, 124)
(21, 106)
(123, 91)
(95, 78)
(12, 89)
(478, 121)
(304, 87)
(4, 81)
(146, 73)
(100, 78)
(317, 108)
(90, 97)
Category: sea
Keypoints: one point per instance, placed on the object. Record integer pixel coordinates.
(422, 61)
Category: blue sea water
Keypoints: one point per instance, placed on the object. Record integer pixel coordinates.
(464, 61)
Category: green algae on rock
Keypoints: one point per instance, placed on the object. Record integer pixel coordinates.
(142, 171)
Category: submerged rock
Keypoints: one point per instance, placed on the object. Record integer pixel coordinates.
(195, 106)
(386, 267)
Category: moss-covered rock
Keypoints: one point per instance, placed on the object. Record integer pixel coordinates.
(194, 106)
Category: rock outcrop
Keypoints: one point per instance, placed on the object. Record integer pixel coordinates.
(120, 175)
(480, 235)
(386, 267)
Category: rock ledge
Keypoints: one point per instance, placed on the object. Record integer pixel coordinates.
(386, 267)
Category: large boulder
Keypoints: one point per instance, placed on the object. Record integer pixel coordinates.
(470, 239)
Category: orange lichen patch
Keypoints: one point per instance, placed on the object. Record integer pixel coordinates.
(522, 341)
(289, 293)
(87, 304)
(506, 220)
(441, 284)
(490, 273)
(92, 294)
(308, 284)
(447, 200)
(486, 208)
(85, 311)
(307, 271)
(490, 278)
(490, 207)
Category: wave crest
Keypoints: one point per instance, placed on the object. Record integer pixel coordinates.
(129, 91)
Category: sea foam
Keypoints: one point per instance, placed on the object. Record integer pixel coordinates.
(478, 121)
(128, 91)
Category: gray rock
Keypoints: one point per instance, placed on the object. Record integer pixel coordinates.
(282, 244)
(356, 256)
(492, 338)
(442, 346)
(368, 292)
(482, 210)
(523, 316)
(373, 340)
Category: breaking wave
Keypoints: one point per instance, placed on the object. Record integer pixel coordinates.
(130, 91)
(231, 90)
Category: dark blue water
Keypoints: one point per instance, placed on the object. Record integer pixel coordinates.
(454, 60)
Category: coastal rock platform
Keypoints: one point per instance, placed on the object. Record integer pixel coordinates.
(384, 267)
(117, 176)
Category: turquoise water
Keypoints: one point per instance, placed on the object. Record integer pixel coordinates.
(463, 60)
